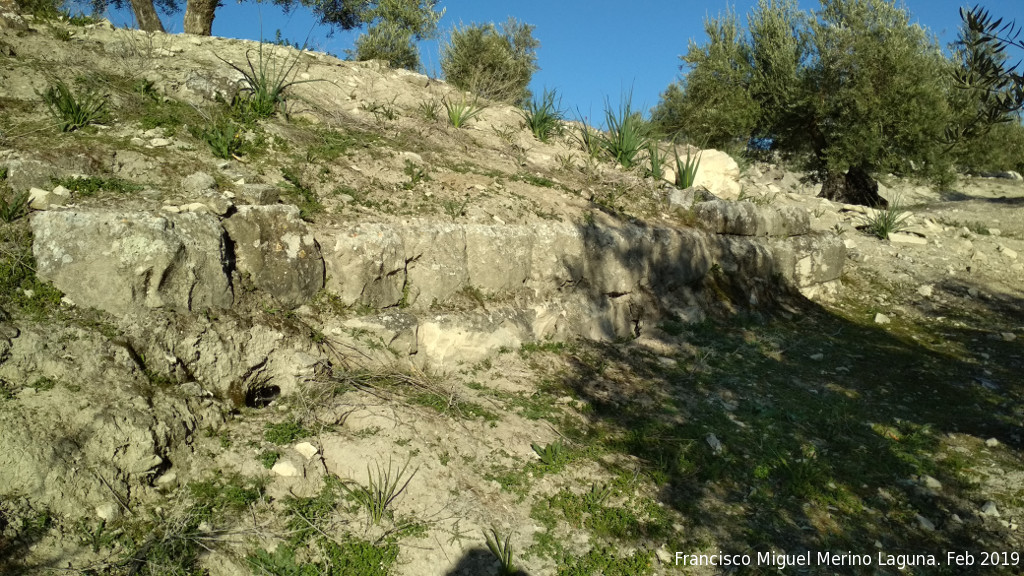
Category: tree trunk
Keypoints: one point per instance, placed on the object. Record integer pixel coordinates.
(145, 15)
(199, 16)
(855, 187)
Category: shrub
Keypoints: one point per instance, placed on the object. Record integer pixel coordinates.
(492, 63)
(885, 221)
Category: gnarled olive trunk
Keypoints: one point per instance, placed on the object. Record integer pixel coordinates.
(145, 15)
(854, 187)
(199, 16)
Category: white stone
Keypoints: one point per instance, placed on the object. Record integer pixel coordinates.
(992, 442)
(1008, 336)
(159, 142)
(107, 512)
(989, 509)
(901, 238)
(286, 469)
(925, 523)
(881, 319)
(715, 443)
(306, 449)
(818, 357)
(1009, 253)
(926, 290)
(39, 199)
(930, 482)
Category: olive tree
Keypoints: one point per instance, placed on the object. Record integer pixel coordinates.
(713, 102)
(394, 26)
(851, 88)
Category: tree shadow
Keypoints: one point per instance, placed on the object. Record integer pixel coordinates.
(479, 562)
(835, 435)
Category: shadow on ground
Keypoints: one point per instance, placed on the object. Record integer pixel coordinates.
(479, 562)
(807, 431)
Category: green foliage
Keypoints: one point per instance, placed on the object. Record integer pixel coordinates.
(381, 491)
(686, 170)
(430, 110)
(264, 82)
(268, 458)
(349, 556)
(224, 138)
(20, 289)
(554, 455)
(1000, 148)
(544, 117)
(71, 111)
(394, 27)
(12, 205)
(416, 174)
(461, 112)
(853, 84)
(308, 515)
(884, 221)
(491, 63)
(284, 432)
(231, 494)
(989, 91)
(713, 102)
(657, 160)
(86, 186)
(170, 546)
(627, 135)
(502, 550)
(302, 194)
(42, 9)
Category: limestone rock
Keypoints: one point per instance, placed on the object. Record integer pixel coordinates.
(197, 183)
(120, 262)
(365, 264)
(719, 173)
(748, 219)
(258, 194)
(687, 198)
(276, 249)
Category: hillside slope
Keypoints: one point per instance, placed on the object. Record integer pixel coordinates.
(350, 338)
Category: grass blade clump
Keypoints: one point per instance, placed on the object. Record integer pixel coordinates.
(544, 117)
(74, 112)
(502, 550)
(627, 135)
(686, 170)
(461, 112)
(264, 83)
(657, 160)
(885, 221)
(381, 491)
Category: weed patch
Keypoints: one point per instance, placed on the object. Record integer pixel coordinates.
(286, 432)
(89, 186)
(73, 111)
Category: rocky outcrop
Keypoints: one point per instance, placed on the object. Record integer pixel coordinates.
(748, 219)
(123, 262)
(277, 251)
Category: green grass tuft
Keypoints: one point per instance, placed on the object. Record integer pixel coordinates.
(544, 117)
(74, 111)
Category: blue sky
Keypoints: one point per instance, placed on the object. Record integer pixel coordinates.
(590, 50)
